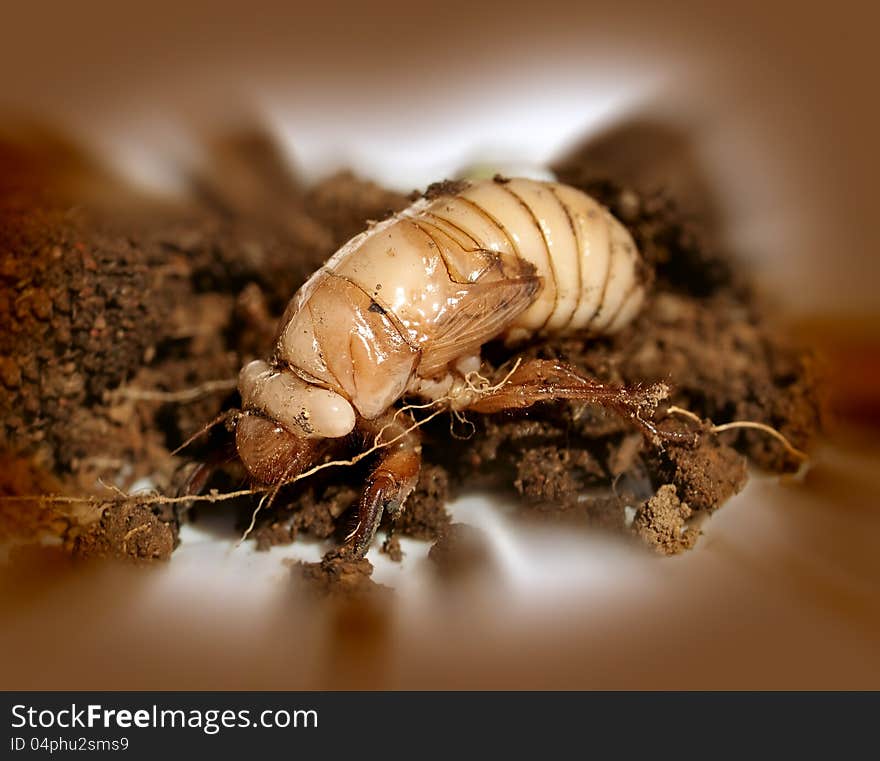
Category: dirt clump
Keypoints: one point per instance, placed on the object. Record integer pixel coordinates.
(442, 188)
(391, 547)
(129, 531)
(662, 522)
(338, 577)
(705, 475)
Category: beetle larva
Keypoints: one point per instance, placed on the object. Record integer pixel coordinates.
(404, 308)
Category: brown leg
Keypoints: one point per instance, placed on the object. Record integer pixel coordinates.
(539, 380)
(390, 483)
(196, 475)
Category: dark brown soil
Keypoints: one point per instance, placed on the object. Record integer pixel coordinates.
(338, 577)
(126, 531)
(427, 518)
(112, 303)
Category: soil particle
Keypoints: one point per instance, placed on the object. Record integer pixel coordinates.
(551, 474)
(707, 475)
(338, 578)
(315, 512)
(662, 522)
(128, 531)
(391, 547)
(443, 188)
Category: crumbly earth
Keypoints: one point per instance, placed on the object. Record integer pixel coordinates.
(338, 577)
(112, 304)
(128, 530)
(662, 521)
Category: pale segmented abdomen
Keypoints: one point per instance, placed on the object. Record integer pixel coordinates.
(588, 262)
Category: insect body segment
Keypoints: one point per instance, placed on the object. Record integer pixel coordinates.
(405, 307)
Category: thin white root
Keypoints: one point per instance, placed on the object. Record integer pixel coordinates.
(789, 447)
(407, 408)
(221, 418)
(468, 425)
(184, 395)
(366, 453)
(673, 410)
(377, 445)
(113, 488)
(142, 499)
(268, 492)
(483, 387)
(253, 522)
(158, 499)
